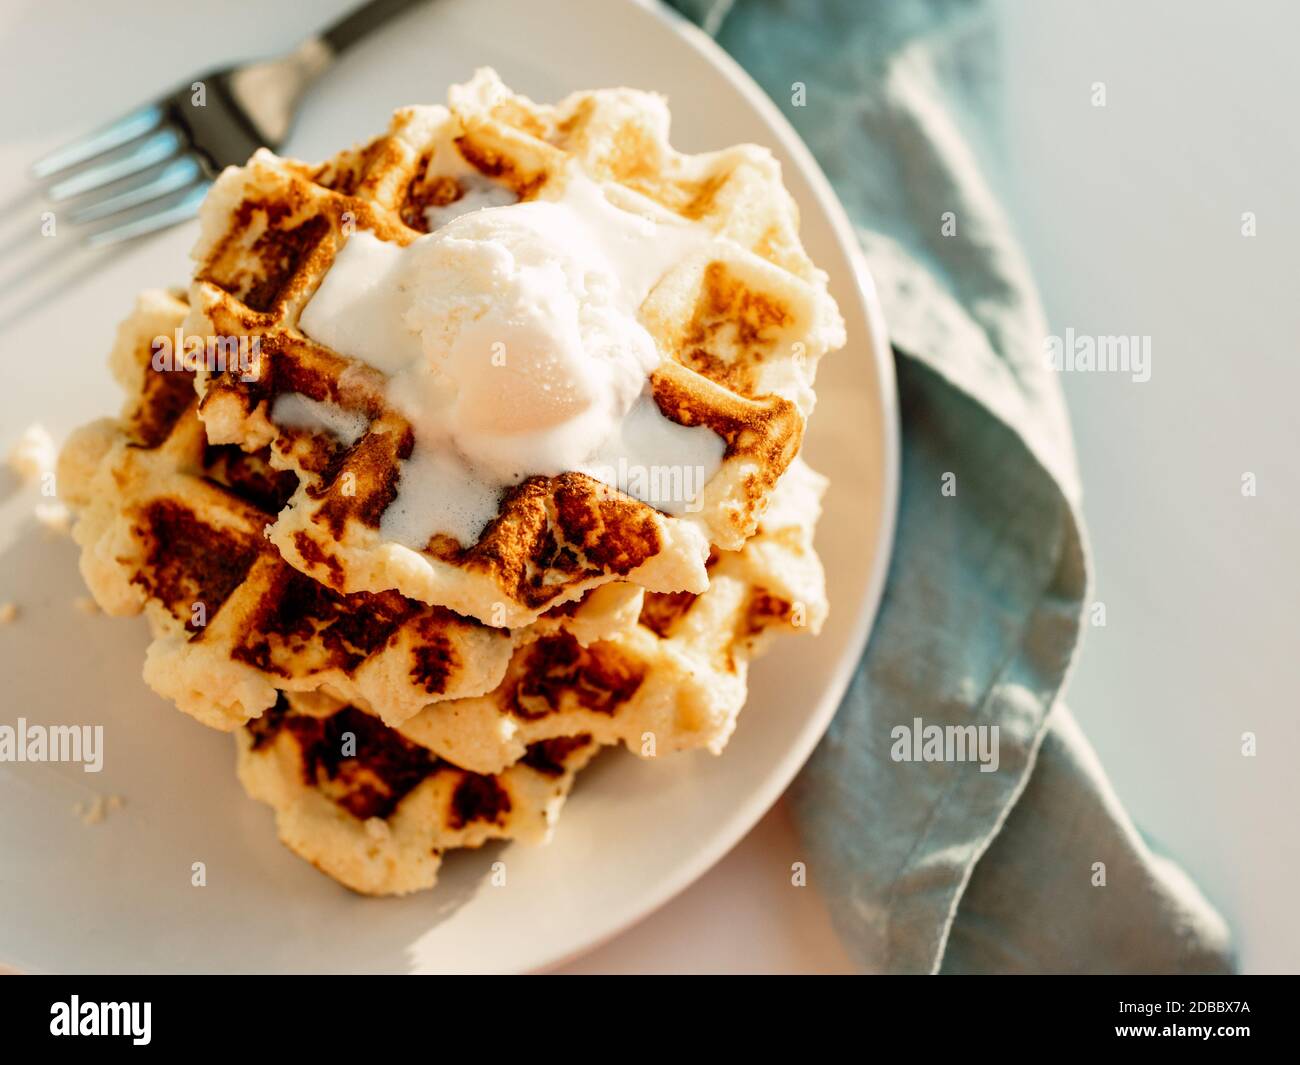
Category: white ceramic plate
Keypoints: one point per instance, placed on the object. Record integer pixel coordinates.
(118, 896)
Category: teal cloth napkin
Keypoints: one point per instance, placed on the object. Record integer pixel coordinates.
(935, 866)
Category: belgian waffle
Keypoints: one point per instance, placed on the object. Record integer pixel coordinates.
(378, 815)
(172, 525)
(375, 811)
(391, 704)
(675, 681)
(740, 329)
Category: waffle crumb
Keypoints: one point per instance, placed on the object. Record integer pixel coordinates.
(33, 455)
(98, 808)
(8, 613)
(54, 516)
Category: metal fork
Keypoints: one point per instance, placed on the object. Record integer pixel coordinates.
(151, 168)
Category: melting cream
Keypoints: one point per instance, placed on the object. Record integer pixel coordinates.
(514, 349)
(358, 308)
(296, 411)
(477, 192)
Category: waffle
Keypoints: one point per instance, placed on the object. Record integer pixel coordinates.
(378, 814)
(391, 703)
(740, 329)
(499, 767)
(173, 526)
(676, 681)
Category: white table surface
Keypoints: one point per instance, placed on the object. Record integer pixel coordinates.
(1131, 216)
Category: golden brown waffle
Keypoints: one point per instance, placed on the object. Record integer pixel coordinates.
(675, 681)
(392, 704)
(377, 815)
(375, 811)
(173, 526)
(740, 331)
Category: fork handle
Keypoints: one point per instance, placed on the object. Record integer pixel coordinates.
(368, 17)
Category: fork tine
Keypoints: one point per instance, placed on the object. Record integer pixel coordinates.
(183, 209)
(128, 128)
(176, 175)
(153, 149)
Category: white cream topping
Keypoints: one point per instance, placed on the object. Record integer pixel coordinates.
(513, 347)
(296, 411)
(477, 192)
(359, 306)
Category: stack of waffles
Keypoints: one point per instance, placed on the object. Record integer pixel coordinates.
(391, 703)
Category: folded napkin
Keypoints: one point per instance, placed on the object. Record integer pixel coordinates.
(941, 865)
